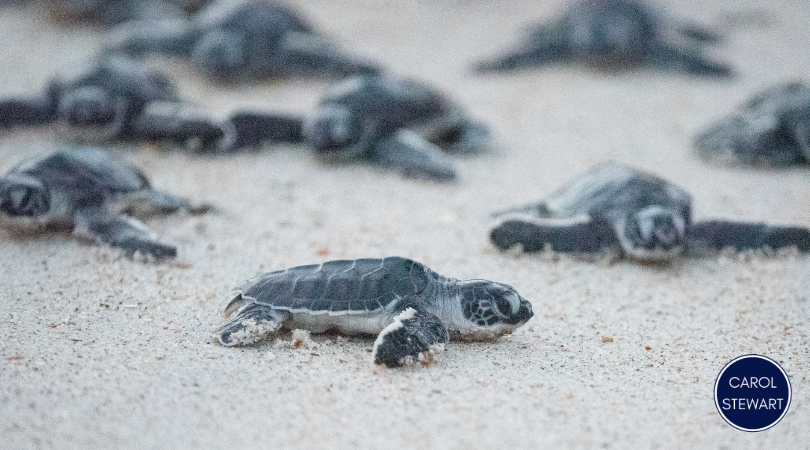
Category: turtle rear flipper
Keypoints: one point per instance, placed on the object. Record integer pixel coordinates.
(412, 334)
(173, 37)
(305, 54)
(531, 209)
(252, 323)
(124, 232)
(712, 236)
(698, 33)
(467, 138)
(580, 234)
(413, 156)
(155, 202)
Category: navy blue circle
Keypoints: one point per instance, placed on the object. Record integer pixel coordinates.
(752, 393)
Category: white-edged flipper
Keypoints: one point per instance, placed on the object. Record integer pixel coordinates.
(413, 336)
(252, 323)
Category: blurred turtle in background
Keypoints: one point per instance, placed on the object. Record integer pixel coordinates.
(613, 35)
(615, 210)
(771, 129)
(94, 194)
(242, 40)
(116, 98)
(396, 123)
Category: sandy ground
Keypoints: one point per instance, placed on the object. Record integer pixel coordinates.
(104, 352)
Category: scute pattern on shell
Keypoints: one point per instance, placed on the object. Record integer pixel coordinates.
(346, 286)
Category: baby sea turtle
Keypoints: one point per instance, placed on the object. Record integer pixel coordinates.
(411, 308)
(95, 194)
(113, 12)
(770, 129)
(398, 123)
(613, 34)
(242, 40)
(119, 99)
(614, 209)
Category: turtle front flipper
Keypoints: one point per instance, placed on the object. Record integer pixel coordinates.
(124, 232)
(545, 45)
(687, 60)
(309, 55)
(580, 234)
(710, 237)
(154, 202)
(27, 111)
(413, 336)
(413, 156)
(180, 124)
(256, 128)
(252, 323)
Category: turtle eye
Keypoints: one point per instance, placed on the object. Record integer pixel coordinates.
(504, 307)
(24, 200)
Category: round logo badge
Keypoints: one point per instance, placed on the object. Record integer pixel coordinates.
(752, 393)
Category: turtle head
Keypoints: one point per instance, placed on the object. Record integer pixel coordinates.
(332, 129)
(23, 195)
(654, 234)
(220, 53)
(89, 106)
(492, 308)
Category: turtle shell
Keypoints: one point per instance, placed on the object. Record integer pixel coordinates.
(339, 287)
(612, 188)
(392, 103)
(123, 79)
(88, 176)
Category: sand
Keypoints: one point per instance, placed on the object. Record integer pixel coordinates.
(104, 352)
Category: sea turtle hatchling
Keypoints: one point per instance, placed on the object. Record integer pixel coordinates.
(242, 40)
(412, 310)
(398, 123)
(95, 194)
(613, 209)
(770, 129)
(116, 98)
(613, 34)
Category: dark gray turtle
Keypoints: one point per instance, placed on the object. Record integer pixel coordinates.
(398, 123)
(120, 99)
(615, 209)
(93, 193)
(242, 40)
(412, 309)
(113, 12)
(613, 34)
(770, 129)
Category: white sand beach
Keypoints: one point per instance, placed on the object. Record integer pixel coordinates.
(104, 352)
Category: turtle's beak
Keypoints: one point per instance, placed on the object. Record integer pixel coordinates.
(523, 314)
